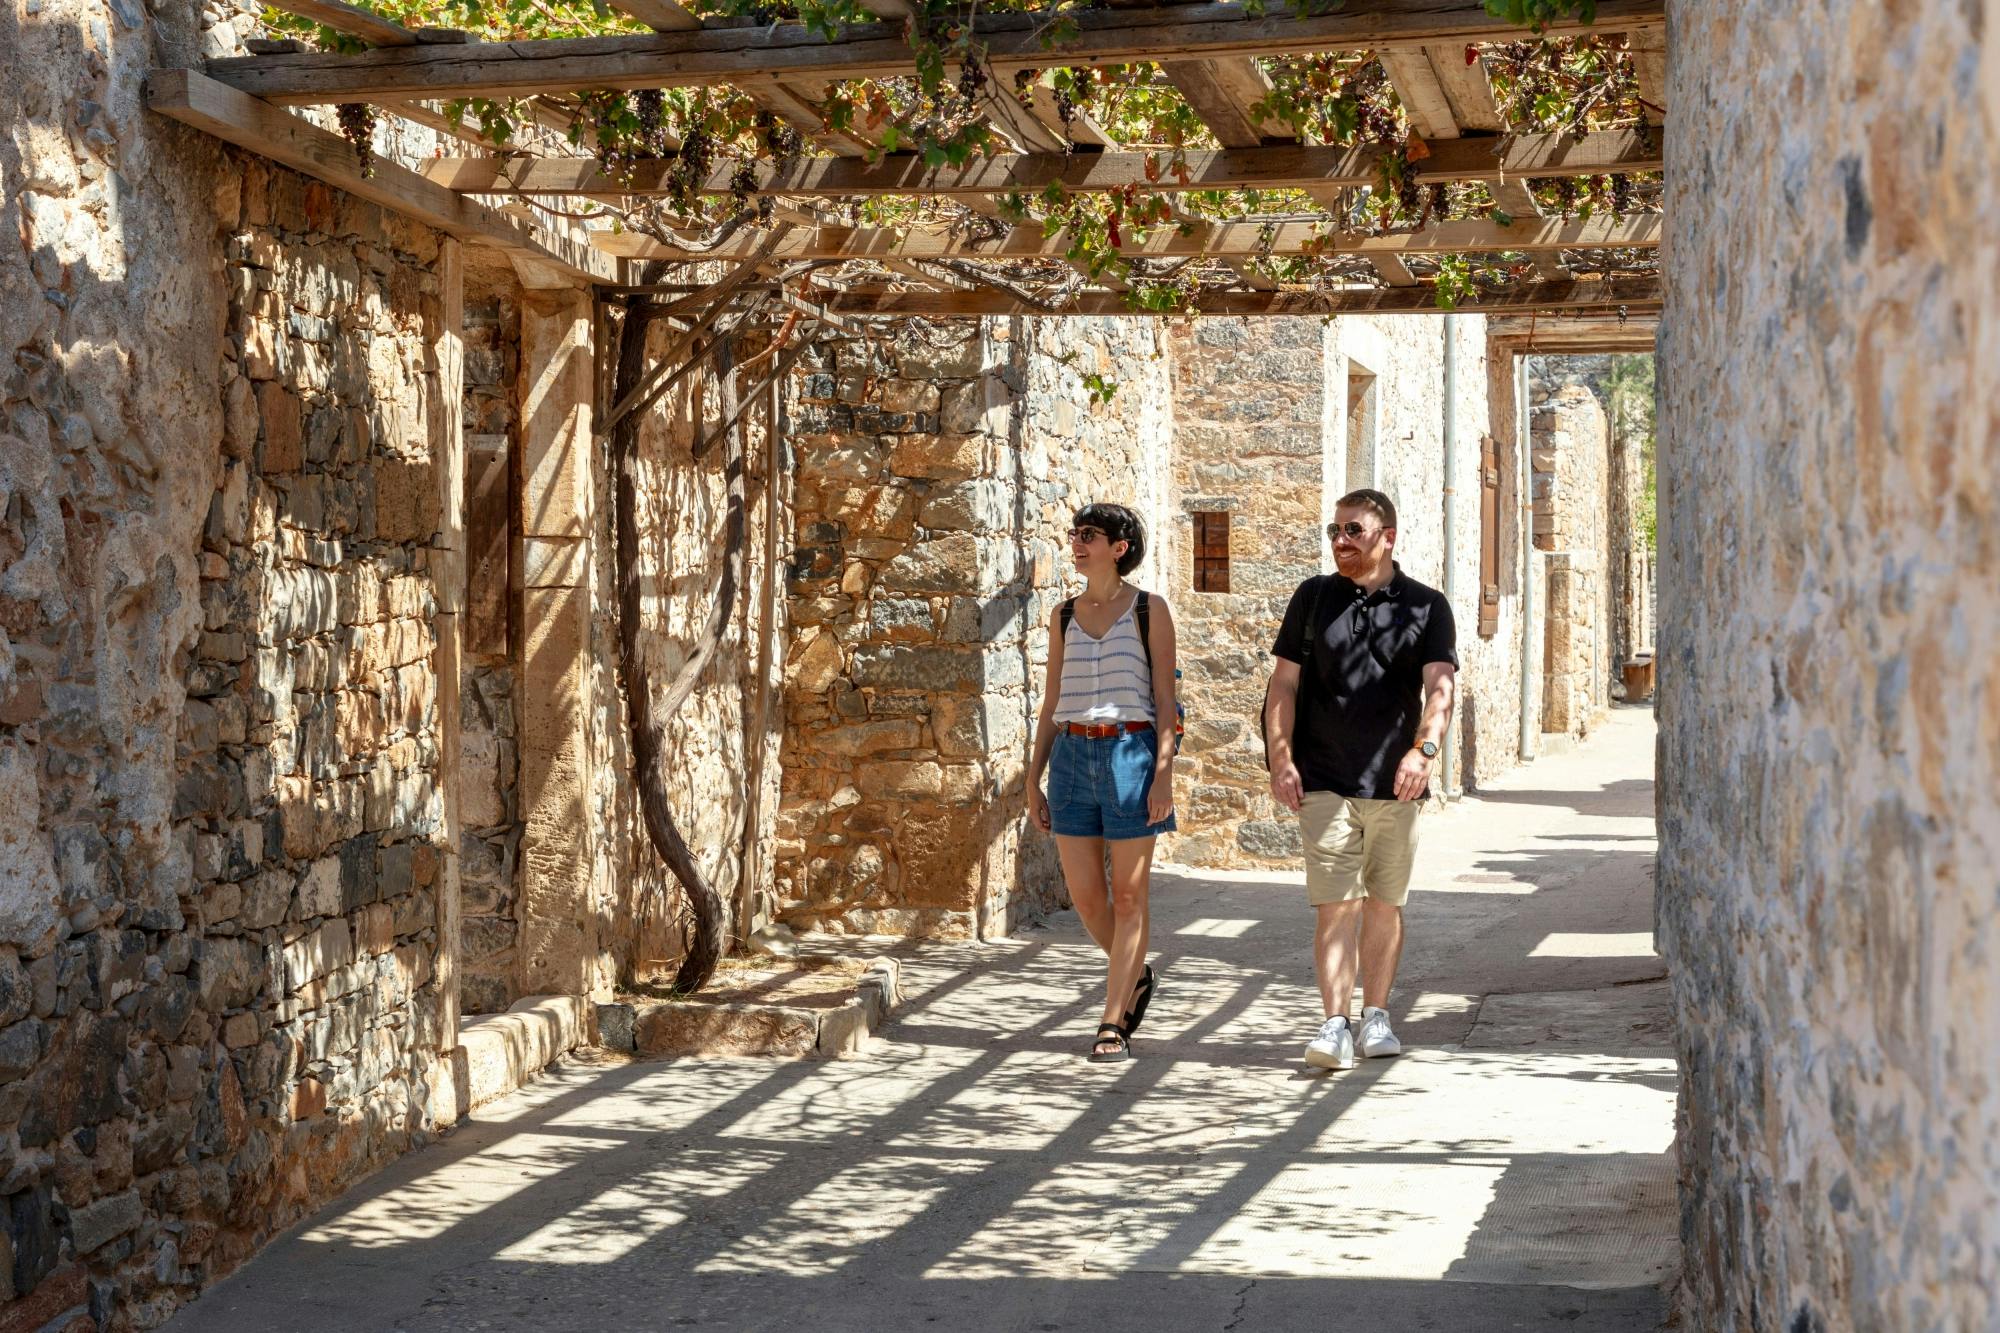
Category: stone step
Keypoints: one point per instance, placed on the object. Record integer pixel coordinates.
(802, 1009)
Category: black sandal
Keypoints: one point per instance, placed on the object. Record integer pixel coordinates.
(1142, 996)
(1123, 1050)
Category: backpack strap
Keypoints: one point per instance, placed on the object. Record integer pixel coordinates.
(1313, 627)
(1142, 611)
(1068, 614)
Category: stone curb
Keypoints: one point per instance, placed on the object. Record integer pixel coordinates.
(497, 1053)
(692, 1027)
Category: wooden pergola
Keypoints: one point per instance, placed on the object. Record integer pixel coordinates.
(808, 255)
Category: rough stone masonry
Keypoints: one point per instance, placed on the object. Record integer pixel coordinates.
(1829, 624)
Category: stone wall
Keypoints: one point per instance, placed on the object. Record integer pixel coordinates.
(221, 717)
(934, 479)
(1830, 725)
(1247, 442)
(1274, 420)
(1571, 459)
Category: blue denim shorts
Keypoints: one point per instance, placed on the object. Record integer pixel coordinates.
(1098, 786)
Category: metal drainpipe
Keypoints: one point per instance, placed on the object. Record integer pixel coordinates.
(1450, 512)
(1526, 473)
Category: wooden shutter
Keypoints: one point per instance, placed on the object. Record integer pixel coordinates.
(1211, 552)
(1489, 537)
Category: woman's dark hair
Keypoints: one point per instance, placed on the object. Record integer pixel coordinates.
(1118, 524)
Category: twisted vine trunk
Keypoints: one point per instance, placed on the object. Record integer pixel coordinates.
(648, 720)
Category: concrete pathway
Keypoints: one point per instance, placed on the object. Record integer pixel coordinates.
(970, 1171)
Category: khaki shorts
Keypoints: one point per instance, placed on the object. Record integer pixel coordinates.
(1356, 847)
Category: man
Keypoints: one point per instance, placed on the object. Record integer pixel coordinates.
(1353, 723)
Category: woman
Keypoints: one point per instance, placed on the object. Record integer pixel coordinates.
(1106, 740)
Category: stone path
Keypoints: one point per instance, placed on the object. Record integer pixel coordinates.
(1513, 1171)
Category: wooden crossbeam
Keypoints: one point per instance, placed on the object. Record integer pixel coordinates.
(659, 15)
(1467, 90)
(1272, 168)
(350, 19)
(1219, 240)
(1082, 127)
(1224, 94)
(1575, 332)
(1635, 294)
(1422, 95)
(875, 50)
(227, 114)
(1649, 62)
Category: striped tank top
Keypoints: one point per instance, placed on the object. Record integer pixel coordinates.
(1106, 680)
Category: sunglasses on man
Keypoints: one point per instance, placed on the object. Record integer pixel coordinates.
(1354, 532)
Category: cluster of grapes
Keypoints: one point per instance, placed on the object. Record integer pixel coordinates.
(1065, 109)
(971, 78)
(649, 108)
(690, 169)
(1375, 124)
(742, 184)
(1567, 193)
(1409, 195)
(357, 123)
(1436, 205)
(783, 142)
(1621, 193)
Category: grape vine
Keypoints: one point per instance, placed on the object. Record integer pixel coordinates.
(945, 112)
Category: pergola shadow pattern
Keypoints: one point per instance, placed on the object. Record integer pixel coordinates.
(971, 1168)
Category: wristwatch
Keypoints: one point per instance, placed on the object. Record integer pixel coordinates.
(1430, 749)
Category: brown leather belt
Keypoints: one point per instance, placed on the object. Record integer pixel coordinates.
(1098, 731)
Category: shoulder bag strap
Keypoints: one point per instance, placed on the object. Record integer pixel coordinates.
(1142, 611)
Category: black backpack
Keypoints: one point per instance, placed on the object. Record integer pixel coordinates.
(1313, 630)
(1142, 611)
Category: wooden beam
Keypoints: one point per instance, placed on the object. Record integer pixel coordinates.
(1514, 199)
(192, 99)
(1082, 128)
(354, 21)
(1649, 62)
(1422, 96)
(874, 50)
(797, 106)
(1219, 240)
(1577, 331)
(659, 15)
(1004, 112)
(1467, 90)
(1278, 167)
(1223, 93)
(1638, 294)
(1392, 270)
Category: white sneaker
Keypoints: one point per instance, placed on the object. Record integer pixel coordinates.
(1333, 1048)
(1377, 1037)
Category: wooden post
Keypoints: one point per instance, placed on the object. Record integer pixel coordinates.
(448, 574)
(556, 902)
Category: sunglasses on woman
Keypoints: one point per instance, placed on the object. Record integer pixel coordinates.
(1085, 536)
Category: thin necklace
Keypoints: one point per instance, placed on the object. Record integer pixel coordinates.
(1115, 594)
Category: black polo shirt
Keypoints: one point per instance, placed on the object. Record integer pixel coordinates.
(1362, 694)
